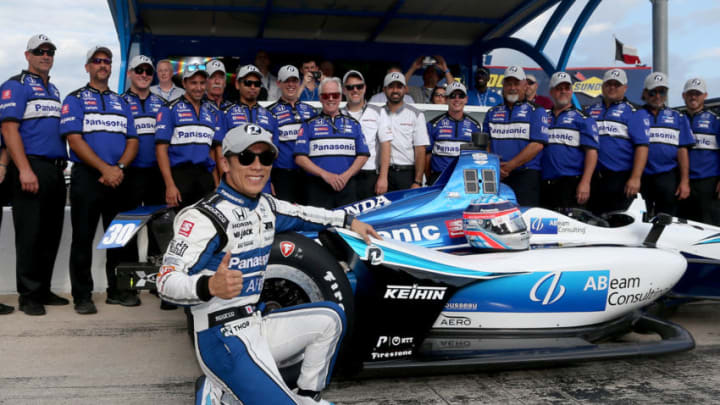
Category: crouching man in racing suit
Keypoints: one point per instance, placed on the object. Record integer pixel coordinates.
(216, 263)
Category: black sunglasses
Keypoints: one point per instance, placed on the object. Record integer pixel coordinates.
(252, 83)
(38, 52)
(97, 61)
(247, 157)
(351, 87)
(456, 95)
(654, 92)
(147, 70)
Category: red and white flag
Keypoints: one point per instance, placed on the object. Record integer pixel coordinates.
(626, 54)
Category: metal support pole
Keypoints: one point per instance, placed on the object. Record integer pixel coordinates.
(660, 35)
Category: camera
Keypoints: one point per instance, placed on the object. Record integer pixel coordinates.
(429, 61)
(317, 75)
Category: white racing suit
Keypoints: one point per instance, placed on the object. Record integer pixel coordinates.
(236, 347)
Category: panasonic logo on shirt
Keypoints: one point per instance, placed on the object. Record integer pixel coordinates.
(612, 128)
(445, 148)
(192, 134)
(288, 133)
(516, 130)
(564, 136)
(145, 125)
(105, 123)
(664, 135)
(706, 142)
(42, 109)
(332, 147)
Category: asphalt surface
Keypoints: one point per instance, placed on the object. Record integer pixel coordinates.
(143, 355)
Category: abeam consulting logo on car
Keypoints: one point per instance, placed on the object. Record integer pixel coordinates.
(414, 292)
(544, 226)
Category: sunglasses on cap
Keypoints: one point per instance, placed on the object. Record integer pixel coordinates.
(194, 67)
(654, 92)
(247, 157)
(103, 61)
(351, 87)
(38, 52)
(252, 83)
(147, 70)
(329, 96)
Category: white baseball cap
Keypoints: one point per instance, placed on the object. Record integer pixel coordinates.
(248, 69)
(516, 72)
(287, 72)
(243, 136)
(138, 60)
(95, 49)
(695, 83)
(36, 40)
(351, 73)
(214, 66)
(558, 78)
(455, 86)
(656, 79)
(193, 69)
(531, 76)
(618, 75)
(393, 77)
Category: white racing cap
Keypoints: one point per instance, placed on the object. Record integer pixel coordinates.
(455, 86)
(248, 69)
(618, 75)
(351, 73)
(242, 137)
(697, 84)
(287, 72)
(558, 78)
(138, 60)
(95, 49)
(656, 79)
(214, 66)
(36, 40)
(393, 77)
(516, 72)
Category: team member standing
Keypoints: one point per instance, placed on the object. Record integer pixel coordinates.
(666, 178)
(481, 94)
(449, 131)
(30, 116)
(704, 202)
(406, 126)
(166, 88)
(570, 156)
(623, 146)
(289, 114)
(215, 85)
(237, 347)
(100, 130)
(367, 180)
(185, 134)
(518, 132)
(331, 149)
(532, 96)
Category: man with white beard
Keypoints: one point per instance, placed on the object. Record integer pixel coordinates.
(518, 132)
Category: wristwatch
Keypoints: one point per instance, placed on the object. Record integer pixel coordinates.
(121, 166)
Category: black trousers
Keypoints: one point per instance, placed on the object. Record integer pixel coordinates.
(400, 177)
(658, 190)
(607, 192)
(320, 194)
(89, 201)
(365, 181)
(193, 181)
(288, 184)
(703, 204)
(144, 186)
(560, 193)
(38, 220)
(526, 185)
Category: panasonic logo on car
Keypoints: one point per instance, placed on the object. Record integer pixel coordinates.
(413, 234)
(414, 292)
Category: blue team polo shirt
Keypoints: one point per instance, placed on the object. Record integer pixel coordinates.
(102, 118)
(669, 130)
(331, 143)
(705, 155)
(26, 99)
(511, 129)
(487, 98)
(569, 134)
(446, 135)
(289, 120)
(621, 129)
(144, 113)
(190, 135)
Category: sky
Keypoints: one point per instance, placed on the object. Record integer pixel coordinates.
(75, 26)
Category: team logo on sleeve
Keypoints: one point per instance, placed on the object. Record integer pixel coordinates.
(185, 228)
(6, 94)
(159, 116)
(65, 109)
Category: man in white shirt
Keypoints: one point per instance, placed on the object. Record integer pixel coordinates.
(406, 124)
(269, 80)
(367, 180)
(166, 88)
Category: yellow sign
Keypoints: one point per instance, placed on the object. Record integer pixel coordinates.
(591, 87)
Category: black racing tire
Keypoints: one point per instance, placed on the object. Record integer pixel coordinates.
(301, 271)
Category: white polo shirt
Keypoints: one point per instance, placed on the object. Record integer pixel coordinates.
(408, 129)
(369, 118)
